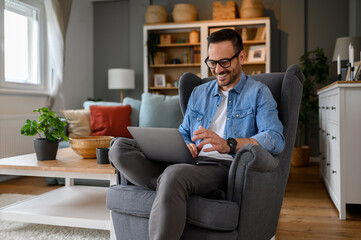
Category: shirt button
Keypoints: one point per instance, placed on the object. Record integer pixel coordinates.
(227, 119)
(229, 101)
(197, 119)
(237, 115)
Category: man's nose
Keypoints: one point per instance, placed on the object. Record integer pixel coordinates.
(218, 68)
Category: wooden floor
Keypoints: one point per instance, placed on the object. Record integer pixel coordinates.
(307, 212)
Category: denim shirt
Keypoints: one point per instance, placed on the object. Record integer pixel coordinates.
(251, 113)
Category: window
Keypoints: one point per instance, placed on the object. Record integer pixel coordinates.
(22, 36)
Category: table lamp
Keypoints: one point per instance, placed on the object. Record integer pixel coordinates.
(342, 50)
(120, 78)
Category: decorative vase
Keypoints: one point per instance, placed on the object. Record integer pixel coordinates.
(45, 149)
(251, 9)
(155, 14)
(183, 12)
(300, 156)
(194, 36)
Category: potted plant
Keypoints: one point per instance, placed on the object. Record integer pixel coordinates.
(152, 44)
(315, 69)
(52, 128)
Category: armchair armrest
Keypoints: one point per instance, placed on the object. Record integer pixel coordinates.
(255, 182)
(249, 158)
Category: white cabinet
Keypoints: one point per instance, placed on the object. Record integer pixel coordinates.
(340, 142)
(176, 56)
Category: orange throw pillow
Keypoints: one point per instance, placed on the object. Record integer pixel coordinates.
(110, 120)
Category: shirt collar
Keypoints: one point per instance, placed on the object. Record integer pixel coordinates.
(238, 88)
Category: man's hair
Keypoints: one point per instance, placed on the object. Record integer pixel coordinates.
(226, 35)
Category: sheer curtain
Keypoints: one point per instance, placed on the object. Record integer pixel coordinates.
(57, 13)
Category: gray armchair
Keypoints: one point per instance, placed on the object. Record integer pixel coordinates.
(256, 183)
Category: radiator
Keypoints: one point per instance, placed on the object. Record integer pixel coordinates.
(12, 143)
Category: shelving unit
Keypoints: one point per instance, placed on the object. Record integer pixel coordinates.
(175, 57)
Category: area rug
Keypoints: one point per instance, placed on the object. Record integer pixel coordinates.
(28, 231)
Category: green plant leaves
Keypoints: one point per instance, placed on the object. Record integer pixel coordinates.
(314, 66)
(29, 128)
(48, 123)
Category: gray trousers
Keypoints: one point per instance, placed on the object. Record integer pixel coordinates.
(173, 183)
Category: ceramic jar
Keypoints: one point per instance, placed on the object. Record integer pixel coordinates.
(194, 36)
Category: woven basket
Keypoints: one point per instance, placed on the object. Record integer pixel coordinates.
(155, 14)
(300, 156)
(251, 9)
(183, 12)
(224, 10)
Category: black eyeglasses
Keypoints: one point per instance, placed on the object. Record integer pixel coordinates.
(225, 62)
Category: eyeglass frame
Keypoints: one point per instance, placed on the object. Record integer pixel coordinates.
(223, 59)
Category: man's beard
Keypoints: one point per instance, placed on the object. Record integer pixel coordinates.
(231, 78)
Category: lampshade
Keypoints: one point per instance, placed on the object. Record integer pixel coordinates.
(341, 47)
(120, 78)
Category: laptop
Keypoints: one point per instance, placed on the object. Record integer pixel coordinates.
(162, 144)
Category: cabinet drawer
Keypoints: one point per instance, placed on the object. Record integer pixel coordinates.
(332, 134)
(334, 173)
(332, 107)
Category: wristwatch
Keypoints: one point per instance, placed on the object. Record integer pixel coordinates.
(232, 143)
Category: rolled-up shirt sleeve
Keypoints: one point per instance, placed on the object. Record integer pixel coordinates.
(270, 129)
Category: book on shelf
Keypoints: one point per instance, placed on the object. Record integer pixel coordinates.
(194, 54)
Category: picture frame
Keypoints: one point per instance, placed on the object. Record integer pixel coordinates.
(159, 80)
(257, 53)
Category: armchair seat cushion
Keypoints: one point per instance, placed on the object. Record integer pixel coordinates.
(211, 214)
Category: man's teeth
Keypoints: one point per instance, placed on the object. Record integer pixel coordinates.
(223, 75)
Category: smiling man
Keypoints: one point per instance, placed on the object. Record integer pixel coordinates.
(221, 117)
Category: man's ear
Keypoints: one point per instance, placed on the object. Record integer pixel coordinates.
(242, 57)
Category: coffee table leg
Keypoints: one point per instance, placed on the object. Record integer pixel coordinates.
(69, 181)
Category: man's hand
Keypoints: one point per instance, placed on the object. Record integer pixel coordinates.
(193, 149)
(208, 136)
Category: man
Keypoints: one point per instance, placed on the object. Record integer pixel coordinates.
(222, 116)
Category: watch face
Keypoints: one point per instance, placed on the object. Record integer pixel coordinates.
(232, 143)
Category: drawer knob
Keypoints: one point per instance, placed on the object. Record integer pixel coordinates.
(327, 134)
(327, 108)
(328, 164)
(323, 131)
(323, 107)
(333, 137)
(333, 108)
(333, 172)
(324, 158)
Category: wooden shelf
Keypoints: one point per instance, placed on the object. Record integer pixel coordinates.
(162, 88)
(176, 65)
(179, 45)
(193, 54)
(254, 42)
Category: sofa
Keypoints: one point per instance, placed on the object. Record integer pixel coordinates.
(112, 118)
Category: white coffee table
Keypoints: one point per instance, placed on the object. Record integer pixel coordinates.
(73, 206)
